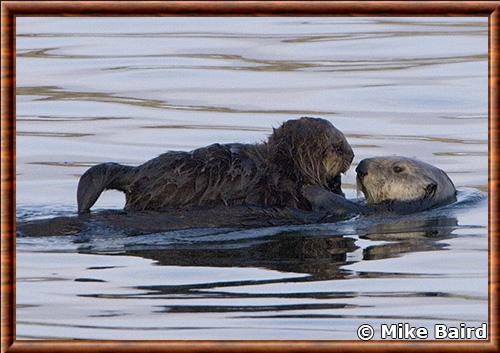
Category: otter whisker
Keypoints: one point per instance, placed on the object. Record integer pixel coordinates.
(358, 188)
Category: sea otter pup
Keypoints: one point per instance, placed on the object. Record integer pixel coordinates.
(306, 151)
(390, 184)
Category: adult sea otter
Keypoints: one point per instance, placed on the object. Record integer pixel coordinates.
(306, 151)
(392, 184)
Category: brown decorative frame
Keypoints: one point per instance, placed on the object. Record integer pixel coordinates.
(12, 9)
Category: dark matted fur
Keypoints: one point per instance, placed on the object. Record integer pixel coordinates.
(307, 151)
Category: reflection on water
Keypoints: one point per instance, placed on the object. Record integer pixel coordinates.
(319, 254)
(93, 90)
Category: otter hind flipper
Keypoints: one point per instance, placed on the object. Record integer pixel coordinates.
(98, 178)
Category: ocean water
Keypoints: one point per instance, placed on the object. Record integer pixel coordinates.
(92, 90)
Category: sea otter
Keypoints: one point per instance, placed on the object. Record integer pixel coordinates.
(405, 180)
(302, 152)
(390, 184)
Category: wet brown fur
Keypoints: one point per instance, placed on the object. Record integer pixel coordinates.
(306, 151)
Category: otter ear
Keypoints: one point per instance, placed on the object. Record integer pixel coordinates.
(430, 189)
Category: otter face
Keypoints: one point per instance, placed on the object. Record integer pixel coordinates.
(318, 151)
(394, 178)
(337, 155)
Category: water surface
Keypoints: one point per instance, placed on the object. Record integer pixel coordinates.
(93, 90)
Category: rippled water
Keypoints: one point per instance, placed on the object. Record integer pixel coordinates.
(91, 90)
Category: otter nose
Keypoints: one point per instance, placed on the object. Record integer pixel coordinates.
(362, 173)
(362, 170)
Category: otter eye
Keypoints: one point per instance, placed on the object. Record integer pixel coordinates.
(337, 148)
(397, 169)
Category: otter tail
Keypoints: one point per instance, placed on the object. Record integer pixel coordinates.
(101, 177)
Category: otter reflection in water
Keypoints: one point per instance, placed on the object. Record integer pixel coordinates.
(320, 253)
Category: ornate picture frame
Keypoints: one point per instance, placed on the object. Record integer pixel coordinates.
(13, 9)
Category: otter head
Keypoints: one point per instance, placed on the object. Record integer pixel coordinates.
(312, 151)
(399, 179)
